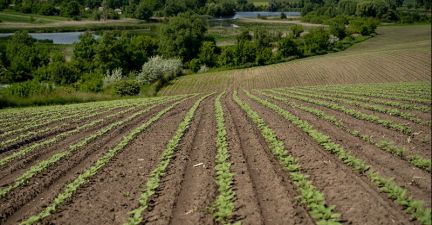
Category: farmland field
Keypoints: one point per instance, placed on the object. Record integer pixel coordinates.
(327, 154)
(396, 54)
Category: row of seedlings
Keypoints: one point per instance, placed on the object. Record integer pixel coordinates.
(85, 177)
(56, 139)
(351, 112)
(372, 107)
(310, 196)
(412, 206)
(153, 182)
(383, 144)
(72, 148)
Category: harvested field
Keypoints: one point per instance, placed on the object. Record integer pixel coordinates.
(336, 154)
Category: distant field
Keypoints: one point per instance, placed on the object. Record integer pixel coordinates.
(16, 17)
(396, 54)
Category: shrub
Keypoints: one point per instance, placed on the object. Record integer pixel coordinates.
(316, 42)
(91, 82)
(112, 77)
(127, 88)
(203, 69)
(29, 88)
(158, 68)
(288, 47)
(194, 65)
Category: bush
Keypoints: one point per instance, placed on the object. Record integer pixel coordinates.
(362, 26)
(316, 42)
(29, 88)
(288, 47)
(194, 65)
(158, 68)
(127, 88)
(91, 82)
(112, 77)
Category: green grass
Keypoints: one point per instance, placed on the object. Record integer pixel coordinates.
(16, 17)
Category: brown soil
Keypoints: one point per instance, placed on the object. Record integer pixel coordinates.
(264, 192)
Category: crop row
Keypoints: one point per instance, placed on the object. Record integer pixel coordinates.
(62, 136)
(153, 182)
(401, 88)
(79, 118)
(56, 112)
(413, 207)
(356, 97)
(385, 95)
(43, 123)
(223, 206)
(313, 199)
(354, 113)
(383, 144)
(375, 108)
(80, 144)
(84, 177)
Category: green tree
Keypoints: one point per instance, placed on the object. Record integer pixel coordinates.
(296, 30)
(85, 51)
(23, 57)
(182, 36)
(316, 42)
(208, 53)
(288, 46)
(71, 9)
(143, 12)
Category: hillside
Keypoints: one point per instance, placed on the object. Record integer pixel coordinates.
(396, 54)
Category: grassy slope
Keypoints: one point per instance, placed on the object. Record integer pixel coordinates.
(396, 54)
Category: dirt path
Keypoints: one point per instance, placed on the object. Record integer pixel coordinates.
(41, 189)
(352, 194)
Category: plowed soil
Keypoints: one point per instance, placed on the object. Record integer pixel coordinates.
(264, 191)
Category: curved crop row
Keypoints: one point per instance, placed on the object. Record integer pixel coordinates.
(59, 127)
(83, 178)
(356, 96)
(350, 96)
(62, 136)
(380, 94)
(354, 113)
(413, 207)
(135, 216)
(80, 144)
(383, 144)
(309, 195)
(34, 125)
(375, 108)
(19, 122)
(223, 207)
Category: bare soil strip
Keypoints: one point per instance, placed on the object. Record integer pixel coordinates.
(275, 193)
(247, 206)
(357, 199)
(43, 188)
(187, 190)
